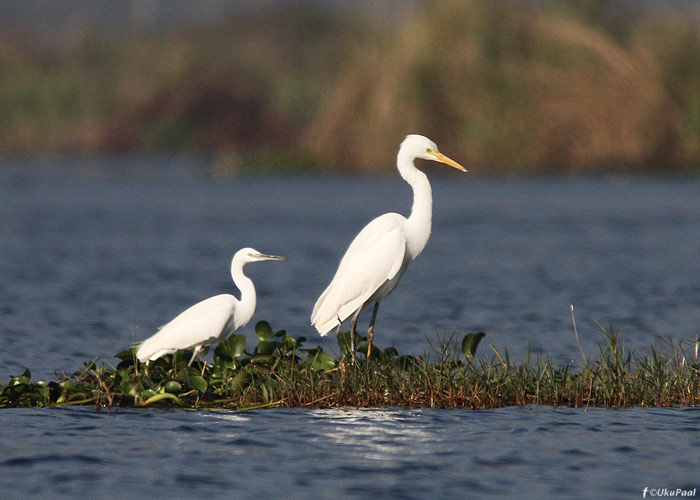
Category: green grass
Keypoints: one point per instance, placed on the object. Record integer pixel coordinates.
(281, 372)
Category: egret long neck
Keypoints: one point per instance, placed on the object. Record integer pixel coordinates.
(246, 306)
(419, 223)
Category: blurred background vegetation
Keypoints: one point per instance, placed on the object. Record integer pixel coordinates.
(501, 85)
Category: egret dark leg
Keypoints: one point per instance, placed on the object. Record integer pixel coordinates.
(340, 324)
(353, 323)
(370, 330)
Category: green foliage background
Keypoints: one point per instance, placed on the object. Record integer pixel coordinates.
(501, 85)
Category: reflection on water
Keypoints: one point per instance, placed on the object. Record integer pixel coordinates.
(378, 435)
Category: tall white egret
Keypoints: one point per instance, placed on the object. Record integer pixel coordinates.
(211, 320)
(379, 255)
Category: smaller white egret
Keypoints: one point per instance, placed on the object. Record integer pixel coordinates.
(211, 320)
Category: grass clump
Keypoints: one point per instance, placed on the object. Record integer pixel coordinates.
(280, 372)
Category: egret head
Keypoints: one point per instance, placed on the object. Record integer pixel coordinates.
(246, 255)
(419, 146)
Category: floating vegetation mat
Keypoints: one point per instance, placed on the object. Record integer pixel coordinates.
(280, 372)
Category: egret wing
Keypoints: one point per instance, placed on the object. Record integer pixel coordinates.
(375, 256)
(202, 324)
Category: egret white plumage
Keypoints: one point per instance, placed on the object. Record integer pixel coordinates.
(211, 320)
(379, 255)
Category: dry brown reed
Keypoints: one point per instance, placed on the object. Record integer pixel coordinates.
(502, 85)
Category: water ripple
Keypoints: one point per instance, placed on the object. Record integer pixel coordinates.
(531, 452)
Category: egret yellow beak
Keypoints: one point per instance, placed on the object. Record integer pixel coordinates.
(447, 161)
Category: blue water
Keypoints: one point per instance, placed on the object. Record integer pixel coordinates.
(528, 453)
(97, 253)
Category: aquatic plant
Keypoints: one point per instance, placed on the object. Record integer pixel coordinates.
(280, 372)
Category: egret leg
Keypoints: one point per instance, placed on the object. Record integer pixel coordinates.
(353, 323)
(194, 354)
(370, 330)
(340, 324)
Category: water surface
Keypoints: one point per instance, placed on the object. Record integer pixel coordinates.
(97, 253)
(529, 453)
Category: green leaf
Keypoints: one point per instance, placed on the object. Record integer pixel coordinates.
(261, 359)
(288, 343)
(197, 382)
(231, 348)
(470, 342)
(127, 386)
(127, 355)
(319, 360)
(147, 394)
(240, 381)
(263, 330)
(25, 378)
(391, 352)
(173, 387)
(266, 346)
(161, 396)
(344, 341)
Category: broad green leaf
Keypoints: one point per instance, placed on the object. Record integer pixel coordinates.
(173, 387)
(77, 396)
(261, 359)
(127, 386)
(320, 360)
(147, 394)
(240, 381)
(266, 346)
(470, 342)
(196, 382)
(391, 352)
(231, 348)
(263, 330)
(127, 355)
(25, 378)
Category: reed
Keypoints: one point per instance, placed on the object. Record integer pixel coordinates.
(511, 86)
(504, 85)
(281, 372)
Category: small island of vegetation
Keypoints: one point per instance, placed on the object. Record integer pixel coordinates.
(281, 372)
